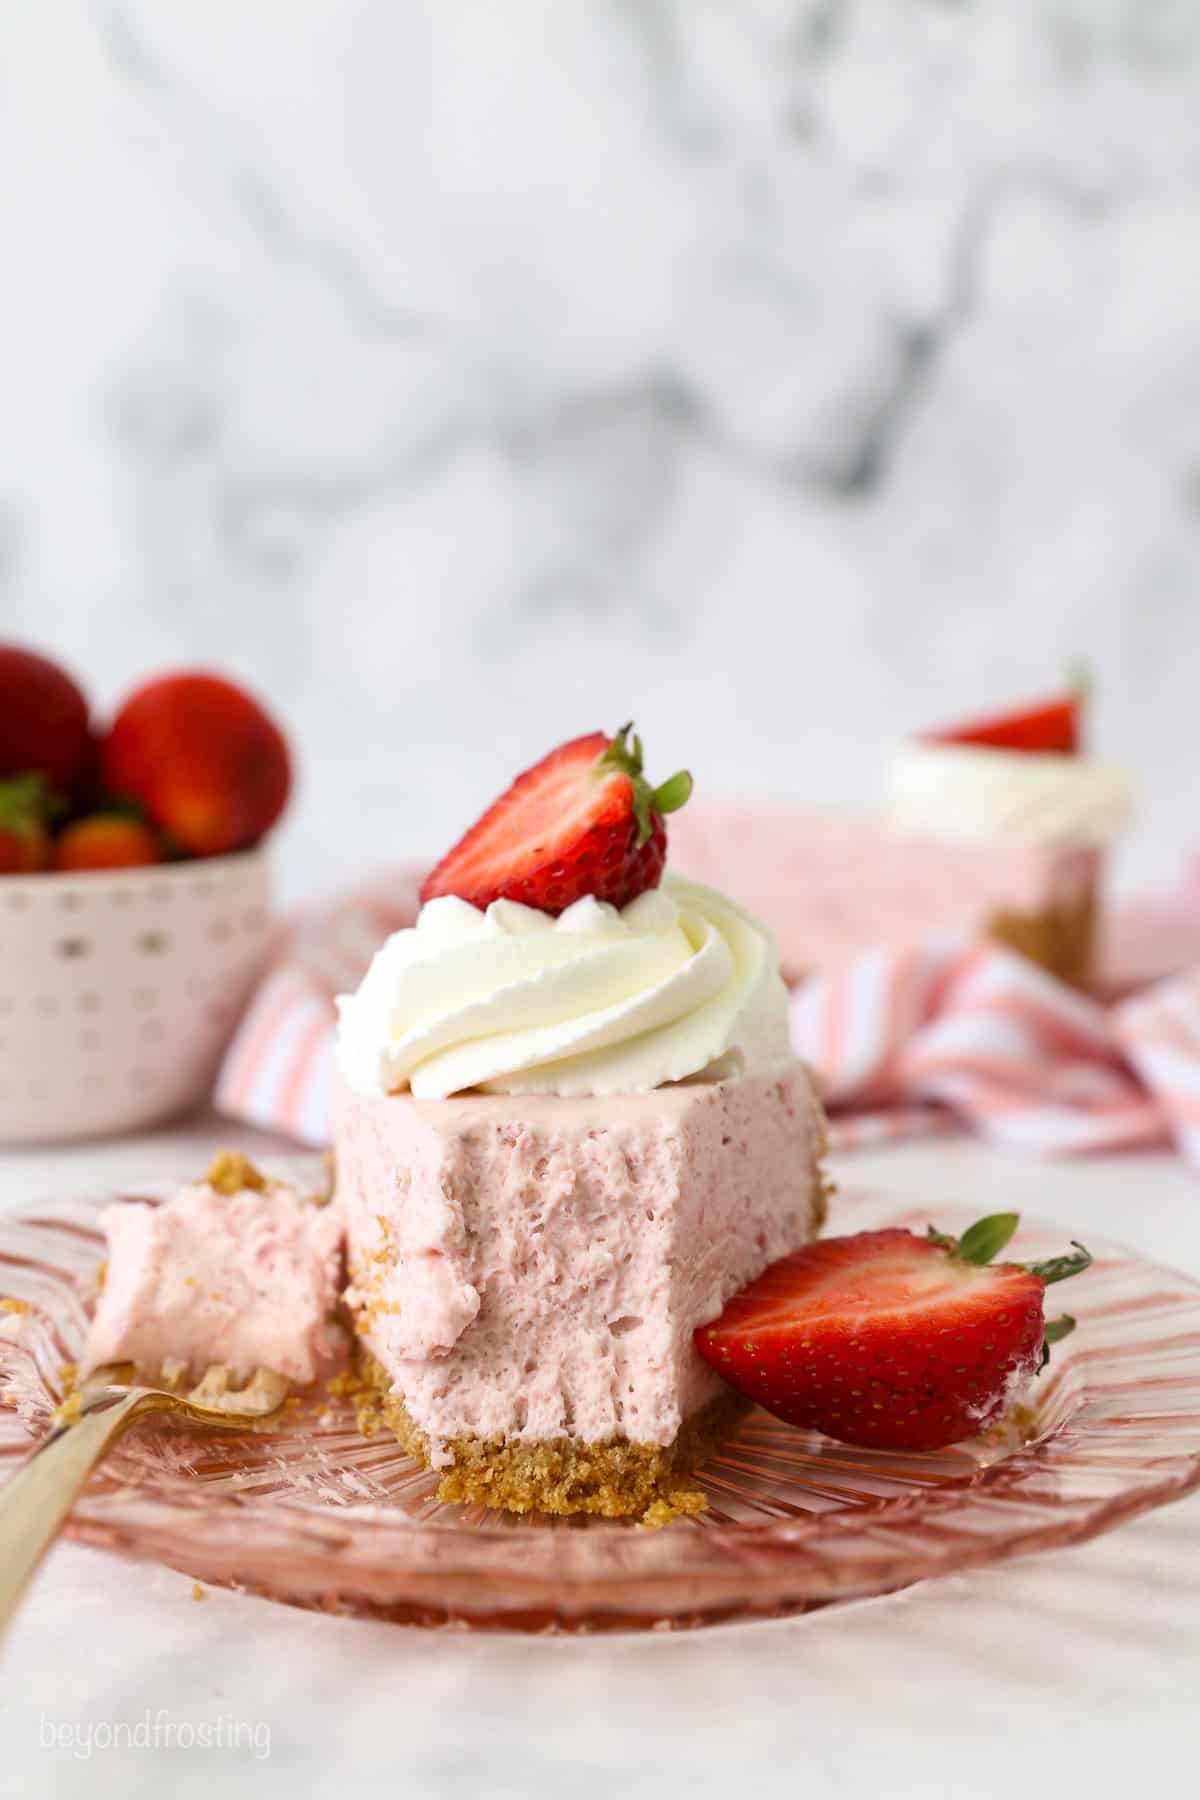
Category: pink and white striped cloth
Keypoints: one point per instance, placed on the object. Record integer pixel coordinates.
(943, 1035)
(935, 1036)
(278, 1071)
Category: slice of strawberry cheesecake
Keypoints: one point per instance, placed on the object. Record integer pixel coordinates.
(570, 1128)
(998, 829)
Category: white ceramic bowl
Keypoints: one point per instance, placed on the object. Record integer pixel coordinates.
(119, 990)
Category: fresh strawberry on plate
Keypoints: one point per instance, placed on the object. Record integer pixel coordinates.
(1053, 725)
(890, 1340)
(584, 820)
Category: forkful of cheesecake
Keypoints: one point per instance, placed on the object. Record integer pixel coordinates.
(211, 1305)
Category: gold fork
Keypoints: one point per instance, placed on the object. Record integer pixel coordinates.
(34, 1503)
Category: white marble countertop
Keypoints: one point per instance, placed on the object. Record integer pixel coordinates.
(1066, 1673)
(794, 376)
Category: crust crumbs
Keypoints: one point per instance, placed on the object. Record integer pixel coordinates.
(352, 1384)
(230, 1172)
(364, 1294)
(678, 1504)
(324, 1194)
(68, 1409)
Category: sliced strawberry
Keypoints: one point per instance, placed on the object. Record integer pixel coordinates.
(582, 821)
(1054, 725)
(890, 1340)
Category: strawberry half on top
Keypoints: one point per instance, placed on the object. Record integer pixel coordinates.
(889, 1340)
(582, 821)
(1053, 726)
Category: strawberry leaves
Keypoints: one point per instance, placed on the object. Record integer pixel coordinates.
(28, 802)
(1054, 1331)
(1061, 1268)
(986, 1238)
(981, 1241)
(667, 797)
(673, 793)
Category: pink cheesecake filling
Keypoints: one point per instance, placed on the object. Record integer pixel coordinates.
(533, 1268)
(830, 884)
(248, 1279)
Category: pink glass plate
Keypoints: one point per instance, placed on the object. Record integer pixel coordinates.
(312, 1513)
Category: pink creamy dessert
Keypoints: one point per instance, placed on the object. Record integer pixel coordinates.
(563, 1142)
(233, 1270)
(831, 884)
(532, 1268)
(999, 829)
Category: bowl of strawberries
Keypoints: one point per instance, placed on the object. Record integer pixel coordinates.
(134, 892)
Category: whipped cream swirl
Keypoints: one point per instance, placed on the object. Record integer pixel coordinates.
(977, 794)
(681, 983)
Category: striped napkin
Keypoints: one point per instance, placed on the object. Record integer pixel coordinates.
(948, 1035)
(908, 1040)
(278, 1071)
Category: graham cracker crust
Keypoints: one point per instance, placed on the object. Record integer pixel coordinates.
(616, 1480)
(1058, 937)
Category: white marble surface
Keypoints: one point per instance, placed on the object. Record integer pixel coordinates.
(1071, 1673)
(790, 373)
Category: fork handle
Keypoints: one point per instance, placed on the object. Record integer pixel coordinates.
(36, 1500)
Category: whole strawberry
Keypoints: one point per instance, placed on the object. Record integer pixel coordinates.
(582, 821)
(203, 761)
(889, 1340)
(44, 726)
(106, 840)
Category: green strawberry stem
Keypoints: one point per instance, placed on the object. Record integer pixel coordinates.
(1079, 678)
(986, 1238)
(1061, 1268)
(668, 797)
(28, 802)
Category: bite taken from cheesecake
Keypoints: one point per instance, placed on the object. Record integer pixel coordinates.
(570, 1127)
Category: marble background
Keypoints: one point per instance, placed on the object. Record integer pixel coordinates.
(789, 373)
